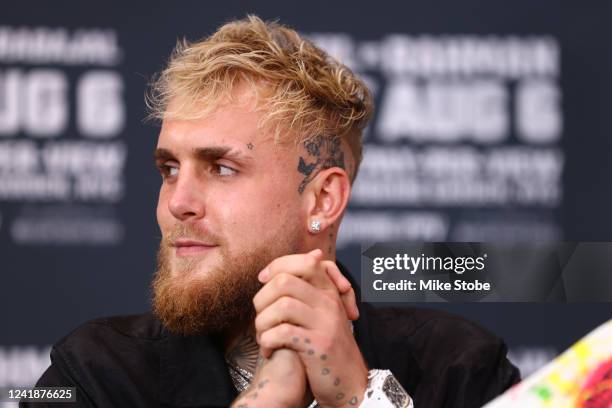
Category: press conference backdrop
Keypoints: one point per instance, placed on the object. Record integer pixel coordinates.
(493, 123)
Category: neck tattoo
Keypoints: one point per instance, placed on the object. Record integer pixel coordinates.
(244, 354)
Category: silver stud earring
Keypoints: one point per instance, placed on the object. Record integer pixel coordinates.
(315, 226)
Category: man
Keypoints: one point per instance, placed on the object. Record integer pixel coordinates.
(259, 144)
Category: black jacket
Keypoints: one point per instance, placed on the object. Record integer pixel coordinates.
(442, 360)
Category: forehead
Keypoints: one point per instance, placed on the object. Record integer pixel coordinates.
(230, 122)
(236, 117)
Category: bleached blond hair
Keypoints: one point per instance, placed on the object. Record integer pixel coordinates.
(306, 93)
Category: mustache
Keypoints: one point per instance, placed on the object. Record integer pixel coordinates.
(189, 231)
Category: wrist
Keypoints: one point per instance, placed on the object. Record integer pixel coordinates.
(262, 394)
(349, 393)
(359, 388)
(269, 392)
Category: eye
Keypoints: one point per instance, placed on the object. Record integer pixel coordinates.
(224, 171)
(168, 169)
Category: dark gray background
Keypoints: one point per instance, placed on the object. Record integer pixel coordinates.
(48, 290)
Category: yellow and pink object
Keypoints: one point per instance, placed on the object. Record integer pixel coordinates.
(581, 377)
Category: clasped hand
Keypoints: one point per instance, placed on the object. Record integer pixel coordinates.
(303, 331)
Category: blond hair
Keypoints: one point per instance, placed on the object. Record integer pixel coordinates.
(306, 92)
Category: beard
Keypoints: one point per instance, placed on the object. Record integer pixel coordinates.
(190, 299)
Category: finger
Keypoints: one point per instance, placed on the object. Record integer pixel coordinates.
(349, 301)
(305, 266)
(284, 336)
(347, 294)
(286, 284)
(285, 310)
(342, 284)
(290, 262)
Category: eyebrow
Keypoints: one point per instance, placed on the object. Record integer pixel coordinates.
(209, 153)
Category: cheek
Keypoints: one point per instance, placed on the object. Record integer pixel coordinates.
(162, 212)
(261, 214)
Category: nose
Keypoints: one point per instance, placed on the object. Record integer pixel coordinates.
(187, 198)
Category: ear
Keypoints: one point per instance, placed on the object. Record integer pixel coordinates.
(328, 196)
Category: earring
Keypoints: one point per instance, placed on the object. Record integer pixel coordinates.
(315, 226)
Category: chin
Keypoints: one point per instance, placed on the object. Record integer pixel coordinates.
(194, 266)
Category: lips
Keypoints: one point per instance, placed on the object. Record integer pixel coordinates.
(186, 247)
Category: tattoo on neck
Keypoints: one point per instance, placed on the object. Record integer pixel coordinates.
(326, 153)
(244, 354)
